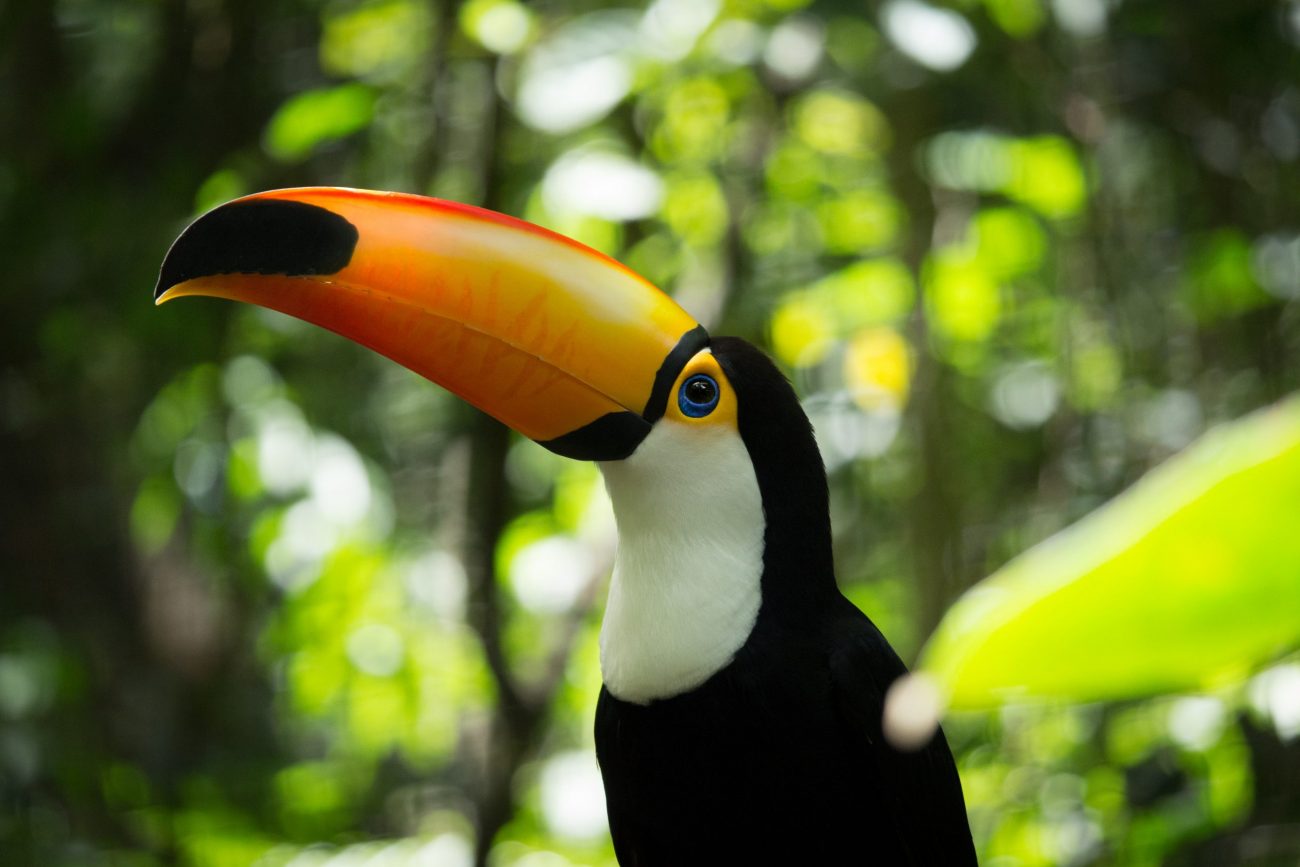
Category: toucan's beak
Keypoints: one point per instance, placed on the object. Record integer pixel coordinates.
(560, 342)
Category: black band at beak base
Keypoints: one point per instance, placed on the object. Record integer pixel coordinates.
(615, 436)
(611, 437)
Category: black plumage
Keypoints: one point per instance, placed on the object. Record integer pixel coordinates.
(779, 756)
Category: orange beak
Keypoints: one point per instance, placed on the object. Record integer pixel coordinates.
(559, 342)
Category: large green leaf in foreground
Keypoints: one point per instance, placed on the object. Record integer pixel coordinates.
(1190, 579)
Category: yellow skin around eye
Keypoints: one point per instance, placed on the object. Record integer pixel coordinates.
(724, 414)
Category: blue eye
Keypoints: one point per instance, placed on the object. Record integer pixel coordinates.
(698, 396)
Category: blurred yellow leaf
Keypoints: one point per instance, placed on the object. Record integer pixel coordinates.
(878, 368)
(802, 330)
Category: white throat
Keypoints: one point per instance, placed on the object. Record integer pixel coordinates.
(686, 586)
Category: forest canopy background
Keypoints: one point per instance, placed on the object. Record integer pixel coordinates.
(267, 598)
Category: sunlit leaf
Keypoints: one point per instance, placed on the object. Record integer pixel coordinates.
(861, 221)
(965, 303)
(174, 413)
(871, 292)
(695, 208)
(1008, 241)
(878, 368)
(579, 489)
(210, 836)
(154, 514)
(802, 330)
(1220, 280)
(1230, 791)
(782, 228)
(694, 117)
(1189, 580)
(1047, 176)
(1096, 370)
(314, 797)
(852, 43)
(836, 122)
(658, 258)
(242, 478)
(1043, 172)
(317, 116)
(795, 171)
(1018, 18)
(221, 186)
(380, 41)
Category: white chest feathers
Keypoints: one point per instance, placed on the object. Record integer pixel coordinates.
(686, 586)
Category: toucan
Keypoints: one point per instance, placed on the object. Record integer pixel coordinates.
(740, 718)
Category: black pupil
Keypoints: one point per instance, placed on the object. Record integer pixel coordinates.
(699, 391)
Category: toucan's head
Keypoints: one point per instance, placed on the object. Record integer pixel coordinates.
(704, 447)
(558, 341)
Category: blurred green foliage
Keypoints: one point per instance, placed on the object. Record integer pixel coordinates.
(1185, 582)
(269, 600)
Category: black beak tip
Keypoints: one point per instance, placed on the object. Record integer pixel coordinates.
(260, 236)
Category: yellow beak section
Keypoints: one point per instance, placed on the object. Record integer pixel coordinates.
(556, 340)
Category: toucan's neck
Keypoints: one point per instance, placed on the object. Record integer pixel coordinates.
(799, 574)
(798, 567)
(687, 584)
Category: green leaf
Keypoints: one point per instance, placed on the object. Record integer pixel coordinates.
(317, 116)
(1220, 278)
(380, 42)
(154, 513)
(1189, 580)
